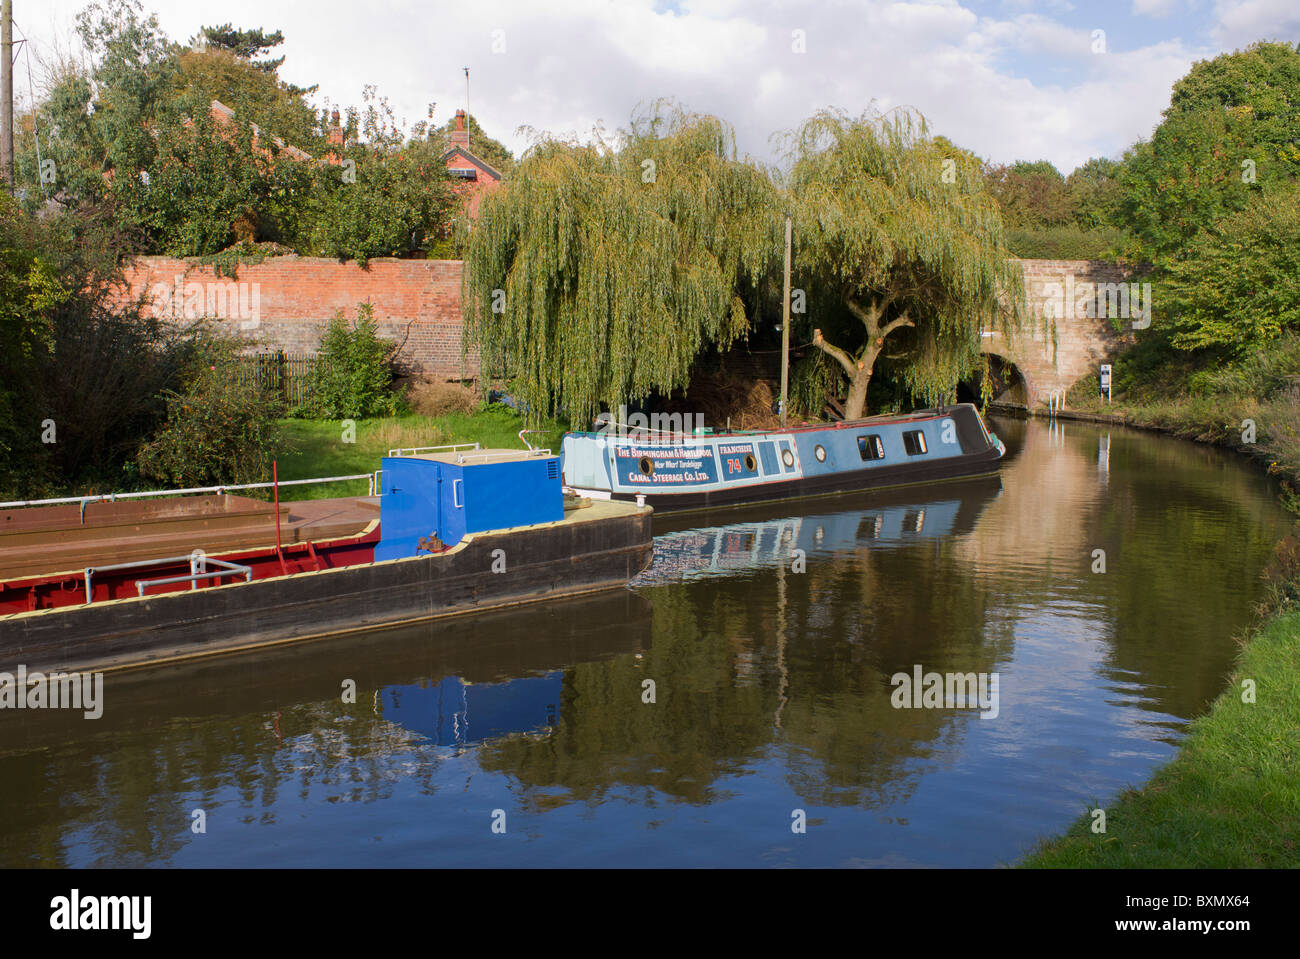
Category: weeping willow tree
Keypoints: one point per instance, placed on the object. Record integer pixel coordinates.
(898, 239)
(596, 273)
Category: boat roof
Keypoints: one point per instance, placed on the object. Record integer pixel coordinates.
(644, 435)
(476, 457)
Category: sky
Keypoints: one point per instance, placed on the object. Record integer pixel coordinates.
(1009, 79)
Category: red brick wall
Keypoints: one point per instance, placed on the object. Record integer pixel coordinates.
(417, 303)
(414, 302)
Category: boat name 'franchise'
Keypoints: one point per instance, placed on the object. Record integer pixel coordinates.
(75, 912)
(946, 691)
(56, 691)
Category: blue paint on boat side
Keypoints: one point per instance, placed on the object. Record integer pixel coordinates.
(662, 464)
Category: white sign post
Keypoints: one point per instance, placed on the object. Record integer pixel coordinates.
(1105, 380)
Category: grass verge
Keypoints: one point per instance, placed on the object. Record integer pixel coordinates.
(317, 448)
(1230, 798)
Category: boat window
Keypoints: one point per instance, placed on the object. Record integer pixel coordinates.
(647, 465)
(820, 452)
(914, 442)
(787, 458)
(871, 447)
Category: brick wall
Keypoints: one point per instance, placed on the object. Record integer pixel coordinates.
(1082, 342)
(417, 303)
(286, 302)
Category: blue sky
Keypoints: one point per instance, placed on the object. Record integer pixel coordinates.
(1009, 79)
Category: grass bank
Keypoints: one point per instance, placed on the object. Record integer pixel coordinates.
(316, 448)
(1230, 798)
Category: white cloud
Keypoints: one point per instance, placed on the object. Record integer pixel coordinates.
(1239, 23)
(1016, 85)
(1156, 8)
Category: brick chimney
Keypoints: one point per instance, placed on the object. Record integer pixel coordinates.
(460, 135)
(336, 129)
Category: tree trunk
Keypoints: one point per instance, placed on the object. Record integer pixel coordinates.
(858, 369)
(857, 401)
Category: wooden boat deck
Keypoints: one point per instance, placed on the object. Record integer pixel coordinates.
(40, 541)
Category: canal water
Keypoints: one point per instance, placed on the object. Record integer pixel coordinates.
(741, 705)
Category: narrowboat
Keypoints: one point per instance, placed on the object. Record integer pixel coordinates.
(699, 470)
(108, 582)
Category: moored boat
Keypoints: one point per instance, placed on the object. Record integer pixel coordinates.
(451, 530)
(673, 471)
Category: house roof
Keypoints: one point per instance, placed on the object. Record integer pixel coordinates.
(485, 167)
(224, 114)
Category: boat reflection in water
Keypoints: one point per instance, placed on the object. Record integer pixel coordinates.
(453, 681)
(770, 538)
(458, 712)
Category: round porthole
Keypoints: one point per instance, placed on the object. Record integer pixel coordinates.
(647, 467)
(820, 453)
(750, 464)
(787, 458)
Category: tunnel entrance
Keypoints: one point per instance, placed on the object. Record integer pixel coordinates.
(1009, 385)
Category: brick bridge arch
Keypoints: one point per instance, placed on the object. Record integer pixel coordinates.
(1069, 291)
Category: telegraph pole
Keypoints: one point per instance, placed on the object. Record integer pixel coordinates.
(466, 106)
(785, 327)
(7, 93)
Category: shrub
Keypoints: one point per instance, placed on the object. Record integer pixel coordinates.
(1067, 242)
(1258, 374)
(812, 380)
(351, 377)
(220, 430)
(438, 398)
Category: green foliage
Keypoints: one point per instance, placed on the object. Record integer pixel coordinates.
(1030, 195)
(80, 372)
(1235, 285)
(1259, 374)
(351, 377)
(246, 44)
(204, 186)
(1152, 368)
(1228, 118)
(1094, 194)
(1067, 242)
(396, 204)
(30, 289)
(891, 237)
(615, 267)
(812, 379)
(136, 130)
(221, 429)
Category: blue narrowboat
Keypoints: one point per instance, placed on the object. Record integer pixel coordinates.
(699, 470)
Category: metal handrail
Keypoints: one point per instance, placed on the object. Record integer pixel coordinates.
(417, 450)
(525, 442)
(197, 559)
(113, 497)
(228, 570)
(462, 458)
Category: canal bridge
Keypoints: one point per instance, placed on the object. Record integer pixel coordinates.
(1095, 306)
